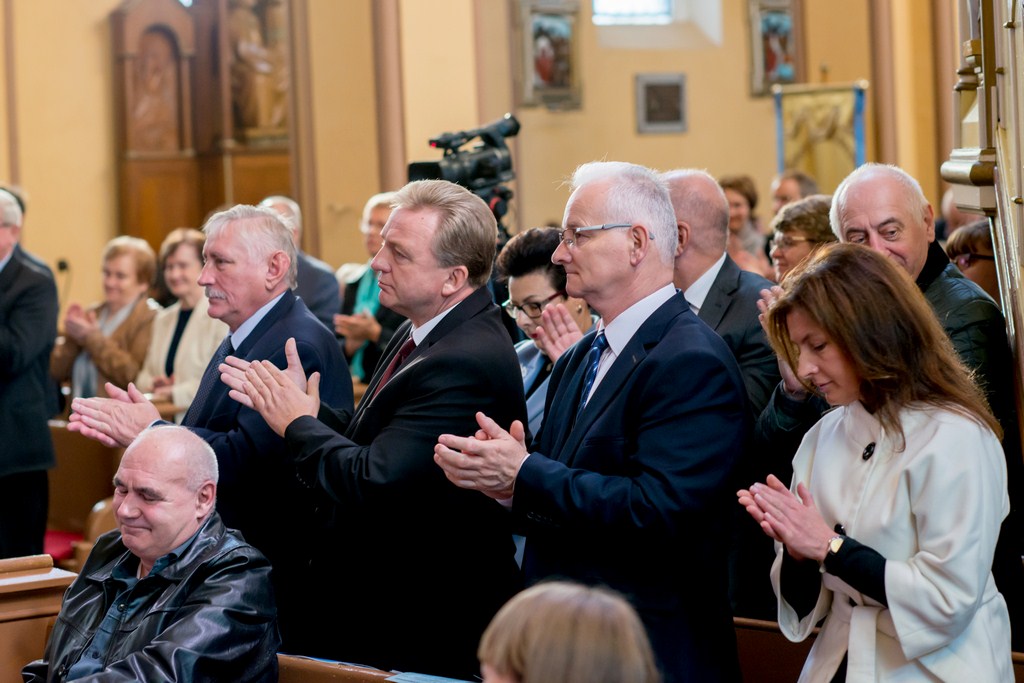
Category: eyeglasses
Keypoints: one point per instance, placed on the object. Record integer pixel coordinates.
(965, 261)
(782, 241)
(532, 309)
(568, 235)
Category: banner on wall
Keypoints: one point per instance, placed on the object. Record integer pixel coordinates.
(820, 130)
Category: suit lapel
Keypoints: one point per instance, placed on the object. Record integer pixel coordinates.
(471, 306)
(610, 388)
(720, 295)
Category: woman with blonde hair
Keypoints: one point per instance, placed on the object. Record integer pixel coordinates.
(107, 341)
(569, 633)
(889, 528)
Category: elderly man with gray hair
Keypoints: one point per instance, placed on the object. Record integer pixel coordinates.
(647, 418)
(248, 274)
(171, 594)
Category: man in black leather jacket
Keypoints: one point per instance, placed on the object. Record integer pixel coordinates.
(172, 595)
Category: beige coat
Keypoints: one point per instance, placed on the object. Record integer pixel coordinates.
(118, 357)
(933, 511)
(199, 341)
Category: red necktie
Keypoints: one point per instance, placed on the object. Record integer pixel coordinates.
(395, 363)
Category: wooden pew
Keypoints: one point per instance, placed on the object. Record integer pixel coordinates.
(302, 670)
(31, 590)
(83, 475)
(767, 656)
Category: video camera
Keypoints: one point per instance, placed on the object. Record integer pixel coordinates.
(478, 169)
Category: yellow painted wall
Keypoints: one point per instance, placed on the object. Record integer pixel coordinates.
(457, 73)
(63, 100)
(729, 130)
(5, 152)
(439, 73)
(915, 83)
(344, 122)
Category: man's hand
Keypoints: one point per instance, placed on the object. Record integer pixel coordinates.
(114, 421)
(275, 394)
(233, 372)
(557, 331)
(488, 462)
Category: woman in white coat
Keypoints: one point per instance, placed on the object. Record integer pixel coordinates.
(184, 337)
(890, 525)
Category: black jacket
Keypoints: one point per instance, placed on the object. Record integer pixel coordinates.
(209, 616)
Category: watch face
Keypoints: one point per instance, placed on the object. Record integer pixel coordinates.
(835, 544)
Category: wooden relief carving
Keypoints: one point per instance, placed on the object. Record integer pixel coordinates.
(154, 123)
(258, 41)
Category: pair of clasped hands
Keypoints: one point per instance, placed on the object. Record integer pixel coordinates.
(793, 520)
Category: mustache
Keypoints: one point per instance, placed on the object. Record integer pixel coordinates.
(212, 293)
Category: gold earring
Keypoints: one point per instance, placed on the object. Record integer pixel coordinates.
(579, 308)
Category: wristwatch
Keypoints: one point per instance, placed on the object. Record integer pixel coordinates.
(834, 544)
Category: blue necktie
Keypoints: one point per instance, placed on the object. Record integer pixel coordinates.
(593, 359)
(208, 382)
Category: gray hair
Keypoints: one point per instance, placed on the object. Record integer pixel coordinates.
(700, 200)
(916, 203)
(386, 199)
(199, 456)
(265, 233)
(10, 209)
(636, 195)
(291, 212)
(468, 232)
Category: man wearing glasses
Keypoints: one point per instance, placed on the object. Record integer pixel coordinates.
(646, 419)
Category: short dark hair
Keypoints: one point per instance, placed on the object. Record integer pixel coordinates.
(529, 252)
(973, 238)
(743, 184)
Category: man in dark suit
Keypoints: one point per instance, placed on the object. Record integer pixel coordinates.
(315, 283)
(248, 274)
(721, 294)
(629, 482)
(28, 327)
(726, 297)
(419, 566)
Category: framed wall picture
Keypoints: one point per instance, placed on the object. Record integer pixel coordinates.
(661, 103)
(776, 44)
(549, 53)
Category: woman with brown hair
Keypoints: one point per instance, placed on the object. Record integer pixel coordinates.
(746, 244)
(107, 342)
(184, 337)
(889, 528)
(569, 633)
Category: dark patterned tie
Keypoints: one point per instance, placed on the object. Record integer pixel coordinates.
(209, 381)
(395, 363)
(593, 359)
